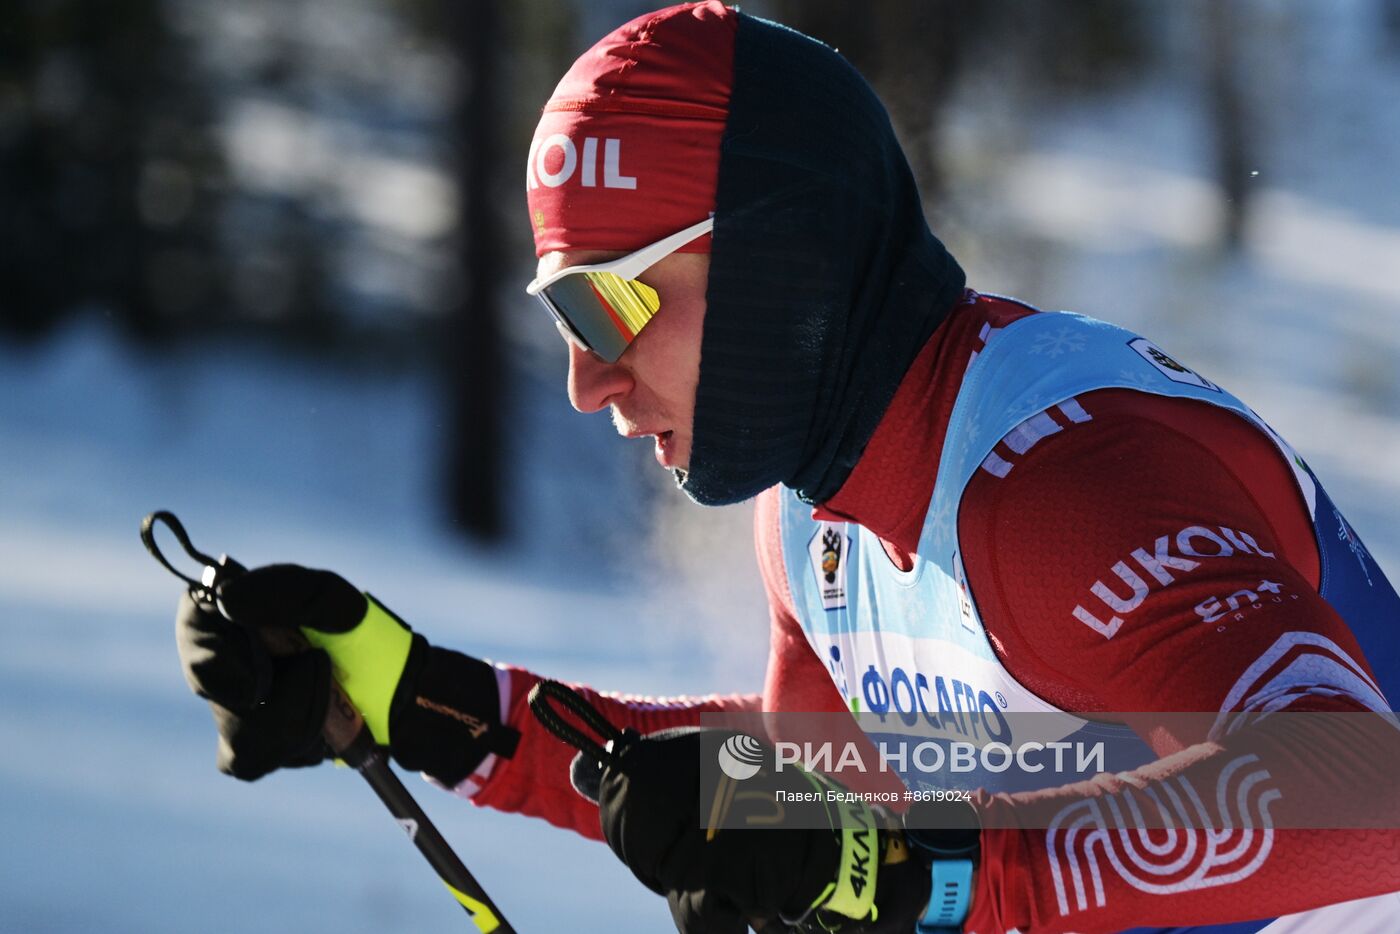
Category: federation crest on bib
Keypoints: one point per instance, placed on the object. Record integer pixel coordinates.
(829, 548)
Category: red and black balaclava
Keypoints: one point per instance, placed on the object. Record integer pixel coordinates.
(825, 281)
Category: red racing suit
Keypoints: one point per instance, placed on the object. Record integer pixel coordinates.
(1038, 536)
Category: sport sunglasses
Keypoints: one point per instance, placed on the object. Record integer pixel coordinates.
(602, 307)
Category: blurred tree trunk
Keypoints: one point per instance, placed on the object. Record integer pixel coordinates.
(105, 152)
(1390, 21)
(473, 351)
(1229, 115)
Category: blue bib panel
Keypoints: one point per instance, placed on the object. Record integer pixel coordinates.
(910, 647)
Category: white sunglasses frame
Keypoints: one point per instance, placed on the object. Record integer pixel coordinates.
(626, 267)
(633, 264)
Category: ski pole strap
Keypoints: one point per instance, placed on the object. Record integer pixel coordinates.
(148, 538)
(545, 691)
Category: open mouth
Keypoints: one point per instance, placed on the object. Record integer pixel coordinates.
(664, 450)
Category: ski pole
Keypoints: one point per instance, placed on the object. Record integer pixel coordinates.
(347, 737)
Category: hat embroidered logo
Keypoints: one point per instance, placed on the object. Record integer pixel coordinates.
(585, 164)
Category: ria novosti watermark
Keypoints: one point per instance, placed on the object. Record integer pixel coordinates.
(1226, 771)
(741, 757)
(932, 757)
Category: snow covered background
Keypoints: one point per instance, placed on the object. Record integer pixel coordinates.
(114, 818)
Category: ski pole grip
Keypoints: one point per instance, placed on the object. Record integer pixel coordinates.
(343, 722)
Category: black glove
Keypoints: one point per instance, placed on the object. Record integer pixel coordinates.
(851, 872)
(436, 710)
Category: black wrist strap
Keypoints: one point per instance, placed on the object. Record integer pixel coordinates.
(502, 740)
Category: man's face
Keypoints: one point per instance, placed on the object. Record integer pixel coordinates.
(651, 387)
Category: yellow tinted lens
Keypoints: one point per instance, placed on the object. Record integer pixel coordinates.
(633, 302)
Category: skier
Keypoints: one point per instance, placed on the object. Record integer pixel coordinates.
(951, 487)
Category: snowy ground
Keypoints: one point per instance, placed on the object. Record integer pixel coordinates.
(114, 819)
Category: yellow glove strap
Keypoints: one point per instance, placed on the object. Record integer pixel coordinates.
(853, 893)
(368, 662)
